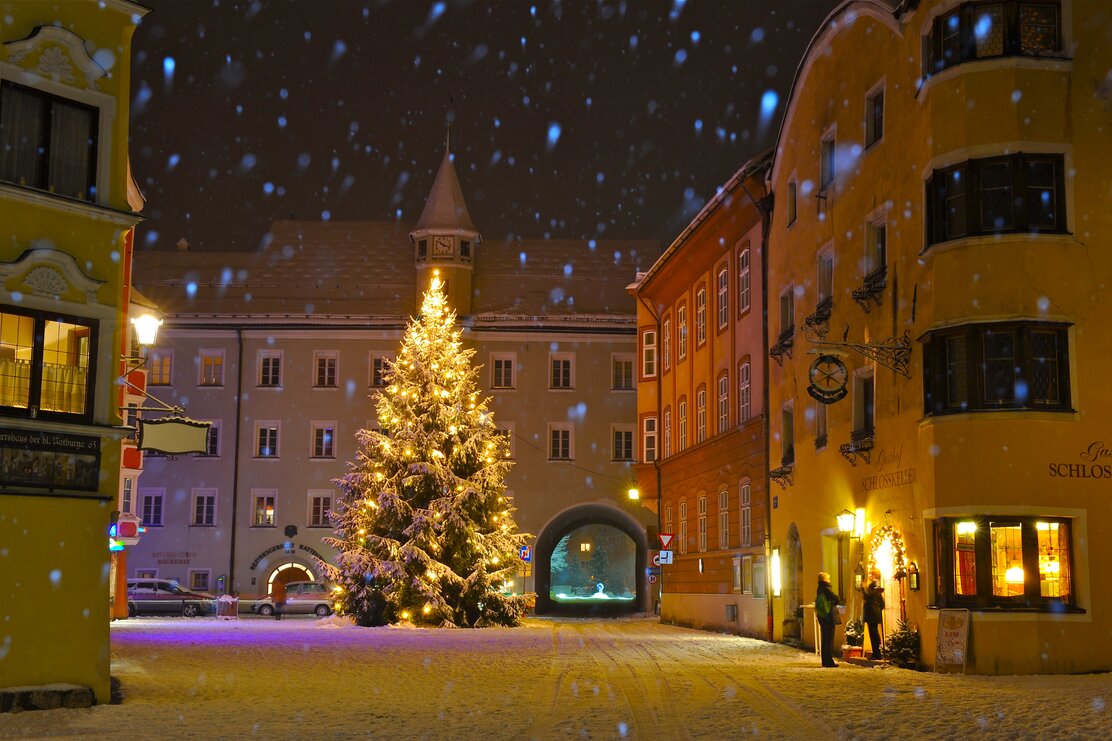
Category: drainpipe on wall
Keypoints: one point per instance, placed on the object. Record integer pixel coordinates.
(659, 421)
(765, 207)
(235, 462)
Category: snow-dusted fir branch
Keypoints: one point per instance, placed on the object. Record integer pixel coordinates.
(423, 528)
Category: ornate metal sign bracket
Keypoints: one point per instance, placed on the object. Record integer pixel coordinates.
(893, 353)
(782, 476)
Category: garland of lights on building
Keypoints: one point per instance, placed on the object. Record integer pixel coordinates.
(899, 553)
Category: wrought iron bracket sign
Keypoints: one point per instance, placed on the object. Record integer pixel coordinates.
(858, 447)
(782, 347)
(872, 290)
(893, 353)
(782, 476)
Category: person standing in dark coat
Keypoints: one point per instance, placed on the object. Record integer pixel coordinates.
(278, 597)
(826, 609)
(874, 610)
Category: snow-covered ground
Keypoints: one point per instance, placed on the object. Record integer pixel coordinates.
(550, 679)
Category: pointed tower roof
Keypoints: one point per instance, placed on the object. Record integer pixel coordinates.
(445, 210)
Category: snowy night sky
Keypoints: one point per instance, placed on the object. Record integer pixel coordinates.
(575, 119)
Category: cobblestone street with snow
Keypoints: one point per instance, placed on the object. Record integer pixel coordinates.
(550, 679)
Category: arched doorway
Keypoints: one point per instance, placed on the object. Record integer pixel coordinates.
(793, 591)
(287, 572)
(590, 560)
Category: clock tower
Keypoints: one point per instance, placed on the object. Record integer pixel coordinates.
(445, 239)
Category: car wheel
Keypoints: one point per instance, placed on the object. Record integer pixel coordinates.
(266, 610)
(131, 611)
(190, 610)
(323, 611)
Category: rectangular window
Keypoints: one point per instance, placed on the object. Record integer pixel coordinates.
(874, 117)
(325, 363)
(992, 29)
(701, 315)
(264, 509)
(648, 429)
(723, 403)
(787, 436)
(212, 440)
(320, 504)
(160, 364)
(204, 507)
(380, 369)
(152, 508)
(559, 443)
(723, 298)
(623, 445)
(266, 437)
(648, 354)
(744, 494)
(1013, 561)
(787, 313)
(200, 580)
(724, 519)
(702, 523)
(667, 345)
(422, 248)
(864, 405)
(820, 426)
(47, 142)
(682, 422)
(701, 414)
(46, 364)
(826, 163)
(561, 376)
(270, 370)
(792, 203)
(744, 393)
(622, 372)
(668, 519)
(126, 496)
(747, 575)
(667, 432)
(1006, 365)
(826, 281)
(324, 435)
(1017, 193)
(876, 250)
(465, 249)
(212, 368)
(502, 372)
(506, 431)
(683, 526)
(744, 291)
(681, 329)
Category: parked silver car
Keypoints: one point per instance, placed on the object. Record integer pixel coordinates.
(166, 597)
(302, 598)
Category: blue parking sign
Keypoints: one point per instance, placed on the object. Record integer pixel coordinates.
(526, 553)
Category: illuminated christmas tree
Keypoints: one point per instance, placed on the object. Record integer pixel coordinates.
(424, 530)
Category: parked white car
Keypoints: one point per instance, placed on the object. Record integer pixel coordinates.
(302, 598)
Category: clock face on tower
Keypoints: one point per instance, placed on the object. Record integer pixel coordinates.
(829, 377)
(442, 247)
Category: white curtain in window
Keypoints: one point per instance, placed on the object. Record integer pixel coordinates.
(21, 122)
(70, 141)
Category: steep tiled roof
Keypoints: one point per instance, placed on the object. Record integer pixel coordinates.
(365, 270)
(445, 210)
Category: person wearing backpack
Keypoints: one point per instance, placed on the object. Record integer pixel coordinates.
(826, 609)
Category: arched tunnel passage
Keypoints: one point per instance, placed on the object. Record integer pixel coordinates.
(590, 560)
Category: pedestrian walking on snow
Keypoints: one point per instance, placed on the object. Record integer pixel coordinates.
(826, 609)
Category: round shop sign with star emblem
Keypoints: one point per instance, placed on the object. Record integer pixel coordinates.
(828, 379)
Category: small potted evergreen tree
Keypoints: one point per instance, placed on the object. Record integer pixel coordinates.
(902, 646)
(855, 639)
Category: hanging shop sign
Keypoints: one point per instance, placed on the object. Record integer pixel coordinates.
(828, 379)
(49, 460)
(173, 435)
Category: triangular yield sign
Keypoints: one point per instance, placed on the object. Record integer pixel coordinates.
(665, 539)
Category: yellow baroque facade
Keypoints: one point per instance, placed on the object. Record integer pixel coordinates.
(65, 251)
(937, 291)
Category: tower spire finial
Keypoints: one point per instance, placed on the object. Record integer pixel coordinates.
(451, 115)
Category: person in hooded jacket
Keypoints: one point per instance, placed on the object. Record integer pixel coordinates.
(826, 609)
(873, 597)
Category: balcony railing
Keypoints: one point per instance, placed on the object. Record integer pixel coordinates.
(860, 443)
(872, 289)
(783, 346)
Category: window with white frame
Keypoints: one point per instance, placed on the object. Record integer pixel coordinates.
(667, 339)
(622, 436)
(724, 519)
(562, 371)
(126, 496)
(649, 434)
(151, 503)
(560, 442)
(324, 436)
(702, 522)
(622, 372)
(264, 500)
(270, 369)
(744, 276)
(747, 575)
(379, 367)
(324, 361)
(700, 414)
(200, 580)
(160, 366)
(874, 116)
(320, 504)
(723, 403)
(212, 440)
(746, 505)
(701, 315)
(502, 370)
(681, 330)
(506, 431)
(204, 507)
(744, 392)
(683, 526)
(667, 431)
(266, 438)
(648, 353)
(681, 410)
(668, 519)
(723, 297)
(212, 368)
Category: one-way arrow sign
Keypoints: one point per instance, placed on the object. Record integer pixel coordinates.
(665, 539)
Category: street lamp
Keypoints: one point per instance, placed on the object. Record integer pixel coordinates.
(634, 493)
(846, 526)
(846, 521)
(146, 329)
